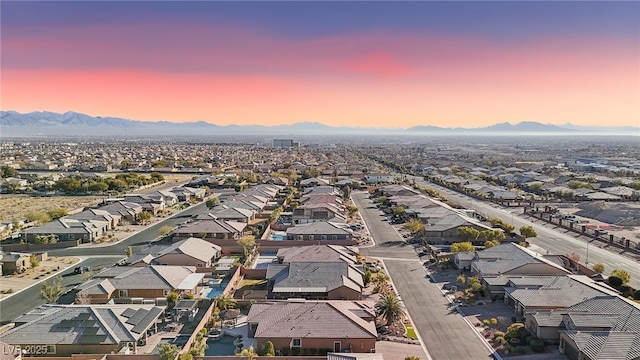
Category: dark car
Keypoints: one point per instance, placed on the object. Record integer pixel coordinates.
(81, 269)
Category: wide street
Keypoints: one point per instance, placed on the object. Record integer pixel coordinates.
(437, 326)
(557, 241)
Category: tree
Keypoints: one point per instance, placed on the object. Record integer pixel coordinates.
(462, 247)
(492, 235)
(598, 268)
(52, 292)
(268, 349)
(622, 275)
(172, 298)
(7, 172)
(491, 243)
(57, 213)
(86, 275)
(367, 277)
(398, 211)
(346, 192)
(248, 243)
(34, 261)
(166, 229)
(225, 301)
(185, 356)
(415, 226)
(213, 202)
(389, 308)
(168, 351)
(39, 217)
(412, 357)
(467, 233)
(248, 353)
(144, 216)
(528, 232)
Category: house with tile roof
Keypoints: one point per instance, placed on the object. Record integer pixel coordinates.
(555, 293)
(318, 253)
(315, 280)
(127, 284)
(224, 212)
(342, 326)
(68, 229)
(188, 252)
(600, 328)
(324, 230)
(64, 330)
(211, 230)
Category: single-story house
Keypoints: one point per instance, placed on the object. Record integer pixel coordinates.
(211, 229)
(315, 280)
(324, 230)
(65, 330)
(14, 262)
(126, 284)
(343, 326)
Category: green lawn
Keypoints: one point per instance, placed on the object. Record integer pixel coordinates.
(411, 334)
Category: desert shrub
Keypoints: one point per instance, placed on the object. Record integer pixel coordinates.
(486, 322)
(498, 333)
(500, 340)
(514, 327)
(615, 281)
(494, 321)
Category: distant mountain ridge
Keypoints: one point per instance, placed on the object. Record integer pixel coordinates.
(72, 123)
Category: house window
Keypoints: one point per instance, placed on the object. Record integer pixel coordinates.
(296, 342)
(310, 237)
(300, 237)
(165, 292)
(123, 293)
(323, 237)
(72, 237)
(334, 237)
(199, 265)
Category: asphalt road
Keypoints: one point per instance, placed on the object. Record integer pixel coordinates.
(554, 239)
(437, 327)
(29, 298)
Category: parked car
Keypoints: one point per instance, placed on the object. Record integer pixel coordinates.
(81, 269)
(601, 232)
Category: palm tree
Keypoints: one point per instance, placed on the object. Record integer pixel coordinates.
(225, 301)
(389, 308)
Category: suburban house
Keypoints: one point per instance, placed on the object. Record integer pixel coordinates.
(128, 211)
(211, 230)
(14, 262)
(188, 193)
(98, 215)
(313, 182)
(167, 197)
(189, 252)
(318, 253)
(65, 330)
(131, 284)
(224, 212)
(68, 229)
(310, 213)
(602, 327)
(315, 280)
(343, 326)
(323, 230)
(446, 228)
(152, 205)
(556, 293)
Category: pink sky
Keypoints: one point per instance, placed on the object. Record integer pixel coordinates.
(385, 78)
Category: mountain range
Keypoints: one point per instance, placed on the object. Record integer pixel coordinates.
(44, 123)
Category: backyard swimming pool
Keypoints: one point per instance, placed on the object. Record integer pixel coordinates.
(216, 290)
(220, 347)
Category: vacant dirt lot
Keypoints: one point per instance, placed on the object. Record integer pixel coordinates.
(16, 206)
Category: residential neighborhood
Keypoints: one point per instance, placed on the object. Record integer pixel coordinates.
(273, 254)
